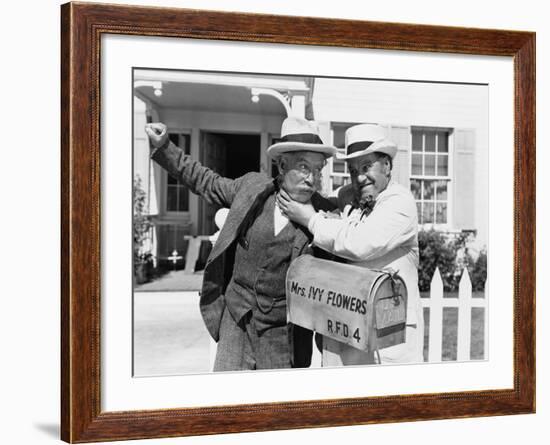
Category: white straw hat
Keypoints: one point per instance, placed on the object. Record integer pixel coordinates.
(300, 135)
(364, 139)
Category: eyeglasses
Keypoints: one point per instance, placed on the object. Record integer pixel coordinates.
(305, 169)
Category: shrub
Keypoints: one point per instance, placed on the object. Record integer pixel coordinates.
(450, 254)
(436, 251)
(142, 226)
(478, 271)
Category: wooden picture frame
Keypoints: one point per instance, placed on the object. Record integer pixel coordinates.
(82, 26)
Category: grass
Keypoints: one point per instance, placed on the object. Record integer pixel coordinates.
(450, 331)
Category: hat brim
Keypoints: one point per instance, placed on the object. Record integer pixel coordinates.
(289, 147)
(383, 146)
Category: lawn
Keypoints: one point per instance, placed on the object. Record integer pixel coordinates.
(450, 322)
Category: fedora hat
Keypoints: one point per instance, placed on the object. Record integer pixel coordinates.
(364, 139)
(300, 135)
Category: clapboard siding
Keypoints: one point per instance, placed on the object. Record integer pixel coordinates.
(403, 103)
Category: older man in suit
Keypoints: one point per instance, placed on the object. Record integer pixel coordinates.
(243, 301)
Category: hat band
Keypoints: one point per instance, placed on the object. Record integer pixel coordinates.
(307, 138)
(359, 146)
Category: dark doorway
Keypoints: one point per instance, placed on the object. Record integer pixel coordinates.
(231, 155)
(242, 154)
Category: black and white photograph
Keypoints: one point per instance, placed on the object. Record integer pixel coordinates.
(292, 221)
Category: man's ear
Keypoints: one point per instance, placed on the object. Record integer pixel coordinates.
(387, 166)
(281, 164)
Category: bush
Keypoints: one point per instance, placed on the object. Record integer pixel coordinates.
(478, 271)
(436, 251)
(143, 260)
(450, 254)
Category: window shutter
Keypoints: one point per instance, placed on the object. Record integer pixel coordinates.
(324, 131)
(401, 135)
(326, 137)
(463, 180)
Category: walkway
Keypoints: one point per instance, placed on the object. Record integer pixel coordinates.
(169, 335)
(176, 280)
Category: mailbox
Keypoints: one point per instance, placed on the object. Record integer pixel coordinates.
(364, 308)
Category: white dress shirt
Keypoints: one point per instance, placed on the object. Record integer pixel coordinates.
(279, 220)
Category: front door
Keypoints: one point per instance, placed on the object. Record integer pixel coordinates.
(232, 155)
(213, 155)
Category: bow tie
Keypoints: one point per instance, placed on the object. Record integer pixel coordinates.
(365, 210)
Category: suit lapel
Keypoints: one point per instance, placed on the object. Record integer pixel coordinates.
(301, 239)
(243, 207)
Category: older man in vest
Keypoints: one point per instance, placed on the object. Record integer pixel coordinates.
(243, 301)
(378, 229)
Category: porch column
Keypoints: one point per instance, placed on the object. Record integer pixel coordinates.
(298, 106)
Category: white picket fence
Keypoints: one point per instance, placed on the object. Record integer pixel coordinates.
(464, 303)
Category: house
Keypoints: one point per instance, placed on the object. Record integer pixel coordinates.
(227, 121)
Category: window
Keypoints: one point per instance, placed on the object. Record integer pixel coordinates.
(177, 194)
(430, 176)
(338, 169)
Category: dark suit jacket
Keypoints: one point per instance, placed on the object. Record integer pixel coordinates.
(242, 196)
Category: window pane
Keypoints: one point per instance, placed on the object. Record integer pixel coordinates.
(429, 190)
(429, 165)
(441, 214)
(428, 214)
(441, 191)
(419, 210)
(442, 143)
(171, 181)
(416, 164)
(430, 142)
(174, 138)
(186, 143)
(171, 199)
(416, 141)
(443, 165)
(181, 140)
(182, 199)
(416, 189)
(338, 166)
